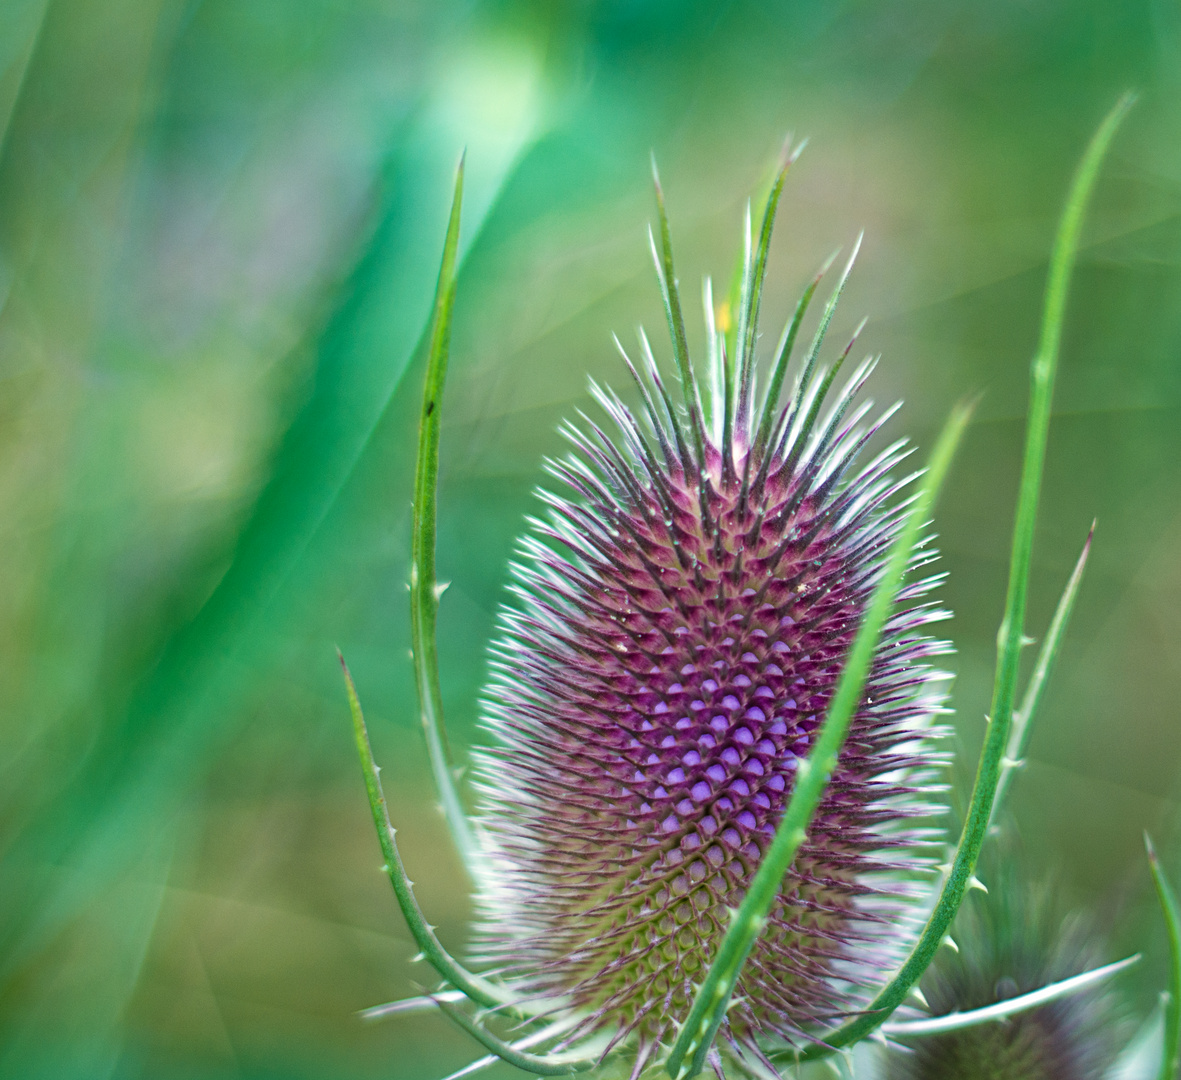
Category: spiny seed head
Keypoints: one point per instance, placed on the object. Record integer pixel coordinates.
(680, 620)
(1013, 941)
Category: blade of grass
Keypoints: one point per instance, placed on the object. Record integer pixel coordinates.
(713, 996)
(1010, 638)
(479, 990)
(1032, 699)
(424, 592)
(1171, 1056)
(938, 1025)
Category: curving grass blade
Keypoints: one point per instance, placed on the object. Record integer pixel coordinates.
(713, 996)
(479, 990)
(1002, 1010)
(1171, 1055)
(424, 591)
(1032, 698)
(1011, 636)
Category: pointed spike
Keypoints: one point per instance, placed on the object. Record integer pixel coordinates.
(658, 428)
(513, 1053)
(749, 321)
(1031, 701)
(676, 321)
(825, 320)
(669, 409)
(714, 380)
(762, 439)
(742, 360)
(476, 1066)
(426, 1003)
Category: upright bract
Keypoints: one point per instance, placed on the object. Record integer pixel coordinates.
(681, 622)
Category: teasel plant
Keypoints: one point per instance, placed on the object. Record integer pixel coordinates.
(706, 827)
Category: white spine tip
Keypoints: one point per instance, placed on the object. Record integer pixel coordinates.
(975, 883)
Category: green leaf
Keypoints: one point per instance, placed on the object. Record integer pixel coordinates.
(713, 997)
(1011, 636)
(1171, 1056)
(424, 595)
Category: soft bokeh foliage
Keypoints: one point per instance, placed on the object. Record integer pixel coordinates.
(219, 230)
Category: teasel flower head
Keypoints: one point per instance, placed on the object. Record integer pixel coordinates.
(1012, 941)
(679, 622)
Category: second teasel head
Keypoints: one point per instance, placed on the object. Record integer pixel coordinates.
(1011, 941)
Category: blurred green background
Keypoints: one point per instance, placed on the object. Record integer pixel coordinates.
(220, 224)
